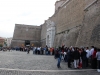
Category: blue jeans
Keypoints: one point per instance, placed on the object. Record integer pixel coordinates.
(58, 64)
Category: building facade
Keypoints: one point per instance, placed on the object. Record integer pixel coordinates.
(50, 33)
(26, 35)
(2, 41)
(43, 34)
(8, 41)
(74, 23)
(90, 30)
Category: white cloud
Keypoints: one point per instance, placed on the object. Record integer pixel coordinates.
(31, 12)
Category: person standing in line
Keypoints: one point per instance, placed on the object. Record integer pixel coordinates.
(70, 57)
(41, 50)
(48, 50)
(34, 48)
(28, 50)
(83, 56)
(38, 50)
(76, 56)
(51, 51)
(98, 60)
(80, 60)
(56, 53)
(44, 51)
(91, 53)
(87, 55)
(94, 59)
(59, 58)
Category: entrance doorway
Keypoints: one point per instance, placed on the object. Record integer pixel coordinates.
(27, 42)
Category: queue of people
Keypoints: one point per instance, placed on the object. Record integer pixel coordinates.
(75, 57)
(79, 57)
(5, 49)
(43, 51)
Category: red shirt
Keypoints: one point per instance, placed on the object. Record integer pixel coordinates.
(94, 54)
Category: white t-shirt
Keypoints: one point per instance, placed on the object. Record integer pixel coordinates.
(91, 51)
(88, 53)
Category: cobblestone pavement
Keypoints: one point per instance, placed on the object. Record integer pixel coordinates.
(21, 63)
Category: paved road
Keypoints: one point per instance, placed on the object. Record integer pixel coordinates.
(21, 63)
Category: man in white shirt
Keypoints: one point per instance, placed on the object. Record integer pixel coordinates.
(38, 49)
(91, 53)
(91, 50)
(87, 55)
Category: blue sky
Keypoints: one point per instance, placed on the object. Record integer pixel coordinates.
(30, 12)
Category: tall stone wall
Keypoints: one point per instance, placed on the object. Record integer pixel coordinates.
(90, 31)
(26, 32)
(43, 34)
(88, 3)
(69, 20)
(58, 4)
(70, 15)
(68, 38)
(17, 43)
(78, 23)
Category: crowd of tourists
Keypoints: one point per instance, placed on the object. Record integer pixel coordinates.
(36, 50)
(75, 57)
(5, 48)
(43, 51)
(79, 57)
